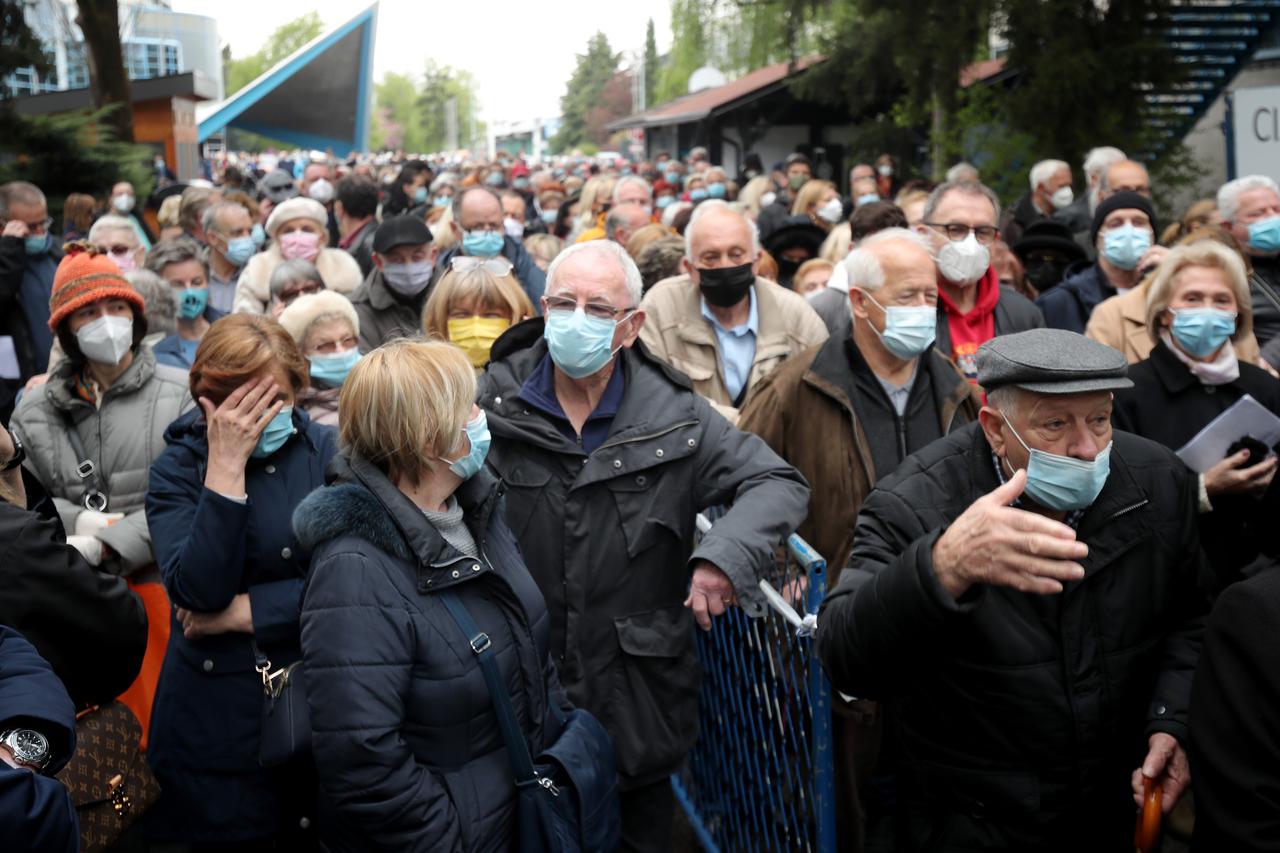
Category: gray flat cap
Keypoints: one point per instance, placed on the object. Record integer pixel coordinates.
(1051, 361)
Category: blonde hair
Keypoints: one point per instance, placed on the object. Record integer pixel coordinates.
(405, 404)
(598, 189)
(838, 243)
(810, 193)
(752, 192)
(167, 215)
(644, 236)
(502, 293)
(1208, 253)
(544, 246)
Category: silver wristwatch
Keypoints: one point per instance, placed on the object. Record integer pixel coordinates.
(28, 746)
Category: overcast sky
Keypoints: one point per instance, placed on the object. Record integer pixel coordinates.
(520, 51)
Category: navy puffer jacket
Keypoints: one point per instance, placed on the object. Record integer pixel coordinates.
(406, 742)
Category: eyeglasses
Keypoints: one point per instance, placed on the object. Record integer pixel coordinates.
(592, 309)
(957, 231)
(118, 249)
(496, 266)
(35, 227)
(288, 295)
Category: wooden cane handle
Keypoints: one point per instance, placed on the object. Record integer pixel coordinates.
(1147, 832)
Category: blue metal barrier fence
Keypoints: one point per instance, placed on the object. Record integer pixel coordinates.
(761, 776)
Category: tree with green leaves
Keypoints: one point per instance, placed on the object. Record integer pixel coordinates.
(397, 122)
(441, 85)
(592, 74)
(650, 66)
(688, 49)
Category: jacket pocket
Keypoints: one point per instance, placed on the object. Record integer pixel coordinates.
(645, 520)
(526, 482)
(655, 696)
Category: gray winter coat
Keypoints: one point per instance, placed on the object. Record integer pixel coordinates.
(609, 538)
(123, 436)
(383, 316)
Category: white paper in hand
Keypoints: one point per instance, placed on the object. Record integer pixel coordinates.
(1247, 417)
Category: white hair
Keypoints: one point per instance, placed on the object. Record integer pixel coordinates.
(962, 171)
(628, 181)
(1044, 170)
(1230, 192)
(1098, 159)
(111, 223)
(716, 204)
(630, 272)
(863, 268)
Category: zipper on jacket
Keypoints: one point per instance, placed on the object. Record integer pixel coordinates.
(1128, 509)
(900, 425)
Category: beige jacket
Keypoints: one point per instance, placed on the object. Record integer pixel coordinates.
(676, 332)
(1121, 322)
(337, 268)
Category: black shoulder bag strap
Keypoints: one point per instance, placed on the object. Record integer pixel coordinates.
(512, 737)
(86, 468)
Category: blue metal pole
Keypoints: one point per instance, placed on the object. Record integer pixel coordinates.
(824, 788)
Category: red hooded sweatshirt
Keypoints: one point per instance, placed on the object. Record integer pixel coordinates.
(972, 330)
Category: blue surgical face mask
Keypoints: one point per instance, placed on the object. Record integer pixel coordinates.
(579, 345)
(442, 201)
(1125, 246)
(275, 434)
(716, 190)
(478, 437)
(697, 195)
(662, 201)
(420, 195)
(1264, 235)
(259, 234)
(1201, 331)
(1064, 482)
(672, 177)
(240, 250)
(866, 198)
(37, 244)
(192, 302)
(549, 216)
(482, 244)
(908, 330)
(332, 369)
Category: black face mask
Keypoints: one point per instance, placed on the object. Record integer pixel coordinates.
(725, 287)
(1045, 273)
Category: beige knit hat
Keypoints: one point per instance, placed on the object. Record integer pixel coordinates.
(296, 208)
(306, 309)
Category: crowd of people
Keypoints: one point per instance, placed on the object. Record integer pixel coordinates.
(429, 437)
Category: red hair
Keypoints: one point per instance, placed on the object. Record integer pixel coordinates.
(238, 347)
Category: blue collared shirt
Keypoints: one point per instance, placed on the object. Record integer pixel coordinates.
(737, 346)
(539, 391)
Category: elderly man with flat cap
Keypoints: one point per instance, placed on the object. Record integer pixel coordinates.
(1029, 593)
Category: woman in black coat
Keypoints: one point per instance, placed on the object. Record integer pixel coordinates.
(1198, 304)
(405, 737)
(219, 502)
(86, 623)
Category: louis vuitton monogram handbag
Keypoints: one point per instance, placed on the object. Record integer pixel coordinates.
(109, 780)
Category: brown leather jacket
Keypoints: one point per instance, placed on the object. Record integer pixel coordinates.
(802, 412)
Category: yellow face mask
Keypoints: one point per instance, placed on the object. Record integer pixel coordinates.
(475, 336)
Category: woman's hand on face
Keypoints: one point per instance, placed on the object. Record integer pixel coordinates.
(234, 426)
(1230, 477)
(237, 618)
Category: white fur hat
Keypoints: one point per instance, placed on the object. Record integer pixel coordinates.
(306, 309)
(296, 208)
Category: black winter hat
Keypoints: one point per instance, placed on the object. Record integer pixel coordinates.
(1123, 201)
